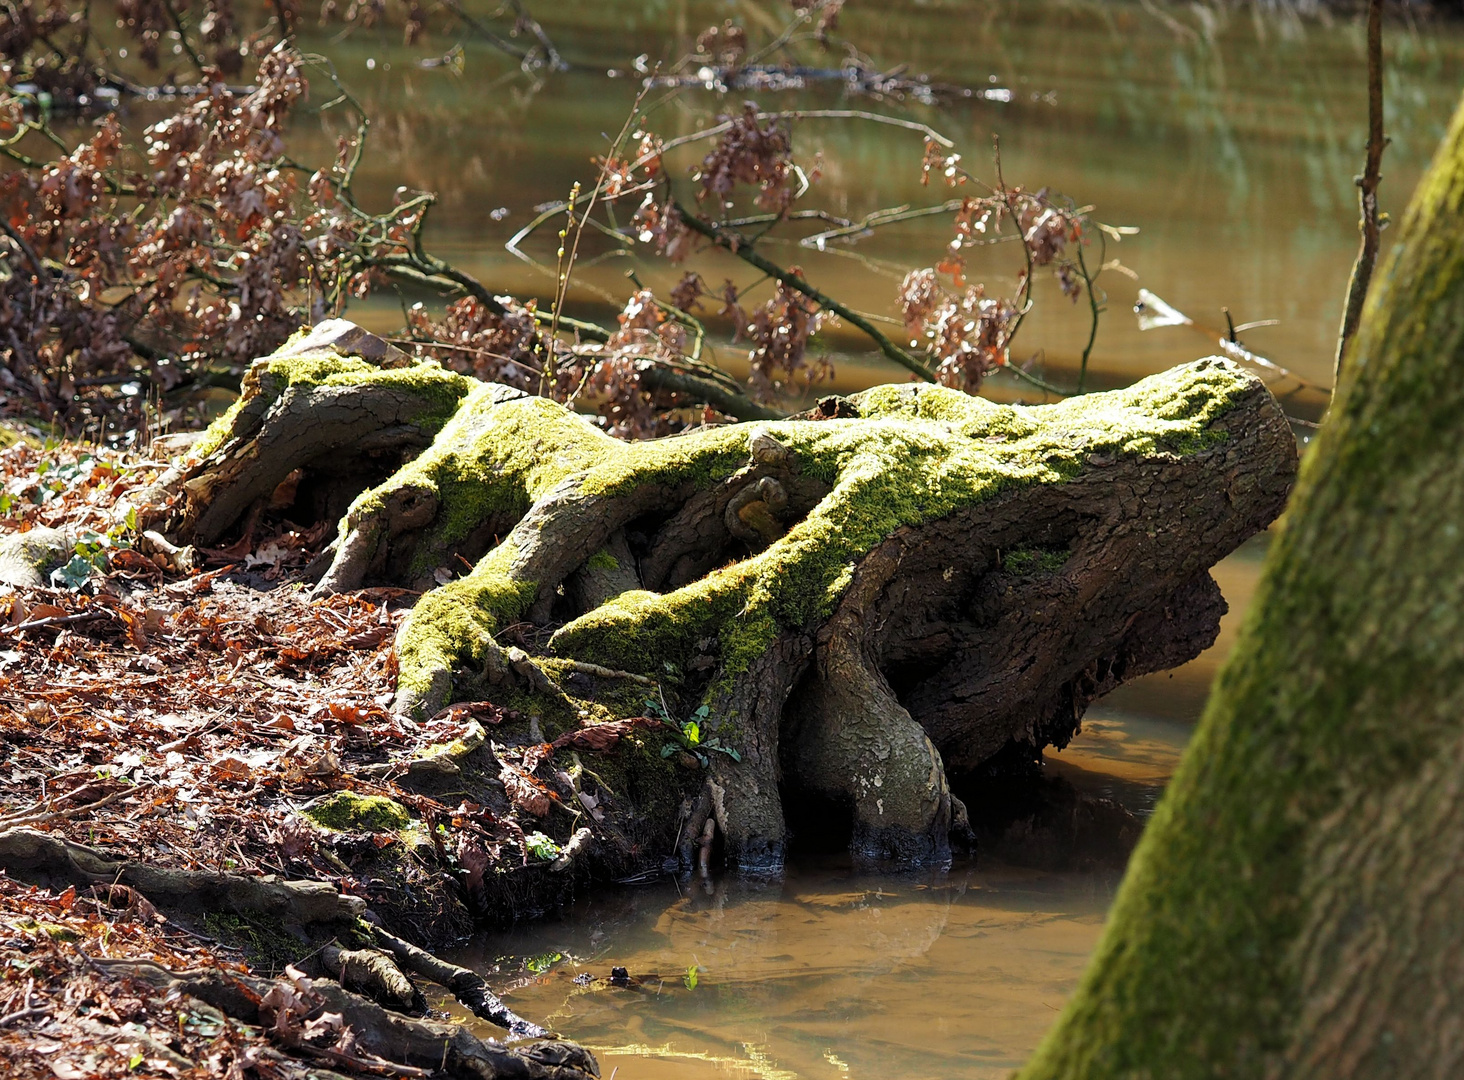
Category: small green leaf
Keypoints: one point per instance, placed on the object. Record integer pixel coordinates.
(690, 978)
(692, 730)
(541, 846)
(704, 712)
(134, 1061)
(74, 574)
(668, 749)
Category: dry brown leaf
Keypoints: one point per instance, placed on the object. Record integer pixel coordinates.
(523, 790)
(600, 737)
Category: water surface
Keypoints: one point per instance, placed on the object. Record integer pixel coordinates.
(823, 974)
(1228, 137)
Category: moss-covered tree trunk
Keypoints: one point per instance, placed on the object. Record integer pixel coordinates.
(1296, 907)
(830, 610)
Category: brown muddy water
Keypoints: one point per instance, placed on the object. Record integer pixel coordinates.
(1228, 137)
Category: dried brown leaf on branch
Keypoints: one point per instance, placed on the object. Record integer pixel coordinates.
(751, 151)
(779, 331)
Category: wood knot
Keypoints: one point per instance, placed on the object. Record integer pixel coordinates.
(752, 515)
(766, 450)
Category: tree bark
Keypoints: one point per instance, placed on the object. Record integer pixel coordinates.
(1293, 909)
(928, 577)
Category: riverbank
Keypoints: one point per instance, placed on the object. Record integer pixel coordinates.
(196, 808)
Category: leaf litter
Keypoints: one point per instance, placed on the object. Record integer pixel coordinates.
(193, 721)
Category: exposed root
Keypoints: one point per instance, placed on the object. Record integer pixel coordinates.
(414, 1047)
(942, 575)
(297, 903)
(381, 974)
(467, 986)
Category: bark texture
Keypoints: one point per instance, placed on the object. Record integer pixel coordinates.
(844, 605)
(1293, 909)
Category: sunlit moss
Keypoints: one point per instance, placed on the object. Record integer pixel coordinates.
(912, 457)
(267, 380)
(345, 811)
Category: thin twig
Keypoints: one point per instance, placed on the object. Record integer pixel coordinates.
(56, 620)
(1367, 184)
(738, 245)
(1095, 311)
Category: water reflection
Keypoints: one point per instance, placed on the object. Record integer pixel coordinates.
(825, 974)
(1228, 136)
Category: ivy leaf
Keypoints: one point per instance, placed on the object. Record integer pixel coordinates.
(74, 574)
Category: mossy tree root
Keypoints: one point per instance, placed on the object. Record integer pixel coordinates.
(937, 576)
(346, 420)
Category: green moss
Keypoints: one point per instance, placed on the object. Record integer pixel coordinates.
(1033, 561)
(602, 560)
(266, 380)
(345, 811)
(919, 456)
(267, 947)
(914, 456)
(488, 464)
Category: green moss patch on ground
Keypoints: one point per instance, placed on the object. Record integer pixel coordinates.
(345, 811)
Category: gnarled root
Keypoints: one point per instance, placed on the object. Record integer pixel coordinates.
(295, 903)
(944, 575)
(388, 1037)
(314, 908)
(849, 740)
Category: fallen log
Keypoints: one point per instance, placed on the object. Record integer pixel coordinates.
(836, 611)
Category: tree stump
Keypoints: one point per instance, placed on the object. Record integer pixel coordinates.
(848, 605)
